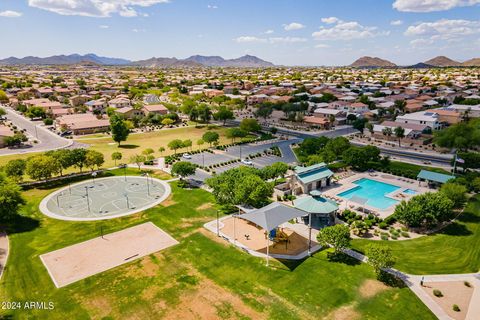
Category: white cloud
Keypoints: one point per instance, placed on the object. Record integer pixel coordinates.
(322, 46)
(286, 40)
(10, 14)
(330, 20)
(246, 39)
(212, 6)
(431, 5)
(272, 40)
(293, 26)
(103, 26)
(444, 29)
(347, 30)
(269, 32)
(138, 30)
(94, 8)
(396, 22)
(421, 42)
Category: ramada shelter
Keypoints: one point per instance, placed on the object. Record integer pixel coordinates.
(307, 179)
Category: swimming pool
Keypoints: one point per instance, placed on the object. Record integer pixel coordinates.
(410, 191)
(372, 190)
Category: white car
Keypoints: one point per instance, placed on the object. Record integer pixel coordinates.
(187, 156)
(247, 162)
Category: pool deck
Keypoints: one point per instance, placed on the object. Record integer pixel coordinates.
(348, 183)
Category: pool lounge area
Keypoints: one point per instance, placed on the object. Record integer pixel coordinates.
(373, 192)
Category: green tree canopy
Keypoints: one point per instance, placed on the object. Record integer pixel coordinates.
(183, 169)
(210, 137)
(425, 210)
(10, 198)
(15, 169)
(379, 257)
(223, 114)
(250, 125)
(175, 145)
(337, 236)
(94, 159)
(457, 193)
(119, 128)
(116, 156)
(42, 167)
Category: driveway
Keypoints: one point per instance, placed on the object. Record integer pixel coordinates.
(47, 140)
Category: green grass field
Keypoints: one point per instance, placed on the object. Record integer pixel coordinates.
(135, 144)
(138, 142)
(456, 249)
(203, 276)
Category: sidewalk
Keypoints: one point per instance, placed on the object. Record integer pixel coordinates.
(413, 282)
(4, 248)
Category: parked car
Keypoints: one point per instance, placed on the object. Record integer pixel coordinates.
(187, 156)
(247, 162)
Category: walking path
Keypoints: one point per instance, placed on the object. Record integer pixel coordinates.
(3, 251)
(413, 282)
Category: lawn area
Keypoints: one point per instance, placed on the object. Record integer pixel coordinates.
(456, 249)
(138, 142)
(202, 277)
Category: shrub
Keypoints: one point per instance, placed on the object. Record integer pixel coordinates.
(467, 284)
(456, 308)
(405, 234)
(384, 237)
(437, 293)
(383, 225)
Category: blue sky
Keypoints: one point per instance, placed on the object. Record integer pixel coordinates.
(289, 32)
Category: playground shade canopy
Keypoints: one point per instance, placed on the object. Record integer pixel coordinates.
(315, 204)
(272, 215)
(434, 176)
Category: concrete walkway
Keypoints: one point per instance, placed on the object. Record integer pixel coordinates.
(3, 252)
(413, 282)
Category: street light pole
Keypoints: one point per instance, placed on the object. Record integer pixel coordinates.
(88, 201)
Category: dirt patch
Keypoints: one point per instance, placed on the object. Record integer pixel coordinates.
(344, 313)
(97, 306)
(370, 288)
(204, 206)
(211, 301)
(454, 292)
(213, 237)
(168, 202)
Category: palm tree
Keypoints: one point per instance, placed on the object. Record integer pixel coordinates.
(399, 133)
(387, 131)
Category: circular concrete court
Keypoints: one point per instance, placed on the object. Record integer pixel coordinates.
(105, 198)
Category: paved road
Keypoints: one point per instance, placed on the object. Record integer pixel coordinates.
(47, 140)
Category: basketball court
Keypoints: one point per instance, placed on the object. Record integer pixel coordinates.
(88, 258)
(105, 198)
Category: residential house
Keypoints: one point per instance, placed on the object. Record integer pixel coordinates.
(430, 119)
(82, 123)
(155, 109)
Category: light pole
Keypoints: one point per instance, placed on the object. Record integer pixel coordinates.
(36, 133)
(94, 174)
(88, 201)
(128, 203)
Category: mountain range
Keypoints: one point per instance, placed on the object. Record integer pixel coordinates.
(193, 61)
(440, 61)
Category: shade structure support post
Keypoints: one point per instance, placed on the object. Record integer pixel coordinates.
(234, 231)
(268, 244)
(309, 234)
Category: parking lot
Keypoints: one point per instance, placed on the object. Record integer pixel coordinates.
(232, 153)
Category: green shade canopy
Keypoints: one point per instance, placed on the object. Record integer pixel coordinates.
(434, 176)
(315, 204)
(313, 173)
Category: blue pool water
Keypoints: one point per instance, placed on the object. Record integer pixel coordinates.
(409, 191)
(372, 190)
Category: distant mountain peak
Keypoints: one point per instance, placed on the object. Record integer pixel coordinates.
(371, 62)
(442, 61)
